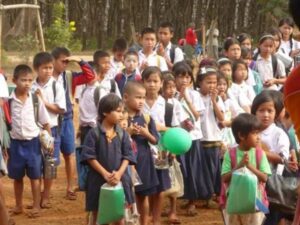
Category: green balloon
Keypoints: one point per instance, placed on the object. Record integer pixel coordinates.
(176, 140)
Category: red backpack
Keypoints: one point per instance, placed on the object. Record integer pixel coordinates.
(261, 185)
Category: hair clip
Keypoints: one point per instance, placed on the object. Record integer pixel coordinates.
(205, 70)
(224, 59)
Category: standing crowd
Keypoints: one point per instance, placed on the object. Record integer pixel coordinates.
(232, 108)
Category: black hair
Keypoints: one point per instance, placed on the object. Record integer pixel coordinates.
(235, 65)
(294, 8)
(120, 44)
(42, 58)
(278, 101)
(224, 61)
(131, 52)
(167, 77)
(167, 24)
(264, 37)
(107, 104)
(221, 76)
(132, 86)
(58, 51)
(246, 53)
(208, 62)
(243, 125)
(148, 30)
(208, 72)
(229, 42)
(151, 70)
(183, 68)
(242, 37)
(98, 55)
(263, 97)
(289, 21)
(20, 70)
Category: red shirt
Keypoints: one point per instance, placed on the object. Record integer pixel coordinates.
(190, 36)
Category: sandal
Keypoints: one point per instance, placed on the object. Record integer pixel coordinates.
(71, 195)
(34, 214)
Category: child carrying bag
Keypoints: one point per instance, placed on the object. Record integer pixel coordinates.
(177, 186)
(111, 203)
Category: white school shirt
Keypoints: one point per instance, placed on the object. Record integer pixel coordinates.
(87, 108)
(178, 110)
(3, 87)
(105, 87)
(285, 46)
(276, 140)
(195, 99)
(232, 108)
(209, 122)
(153, 60)
(23, 125)
(115, 68)
(47, 92)
(250, 80)
(243, 88)
(178, 54)
(265, 70)
(241, 99)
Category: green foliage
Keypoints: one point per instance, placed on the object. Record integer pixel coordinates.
(61, 33)
(277, 8)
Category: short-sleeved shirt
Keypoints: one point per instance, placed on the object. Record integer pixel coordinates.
(116, 67)
(264, 165)
(276, 140)
(233, 108)
(241, 98)
(48, 93)
(153, 60)
(178, 110)
(105, 87)
(244, 88)
(24, 125)
(209, 121)
(3, 87)
(285, 46)
(250, 80)
(178, 54)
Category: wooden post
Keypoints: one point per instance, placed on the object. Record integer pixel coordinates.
(1, 11)
(41, 35)
(203, 39)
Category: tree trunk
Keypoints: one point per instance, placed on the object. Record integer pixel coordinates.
(246, 14)
(150, 13)
(236, 15)
(194, 10)
(105, 24)
(67, 11)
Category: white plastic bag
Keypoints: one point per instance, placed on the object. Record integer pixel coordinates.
(177, 185)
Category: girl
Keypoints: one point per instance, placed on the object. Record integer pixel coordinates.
(191, 162)
(108, 152)
(225, 67)
(273, 139)
(245, 40)
(288, 45)
(232, 109)
(239, 86)
(232, 49)
(270, 68)
(211, 140)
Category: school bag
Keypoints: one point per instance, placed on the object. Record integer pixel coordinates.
(274, 64)
(261, 185)
(172, 53)
(83, 168)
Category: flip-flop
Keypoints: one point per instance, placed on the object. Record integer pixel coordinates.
(34, 214)
(71, 195)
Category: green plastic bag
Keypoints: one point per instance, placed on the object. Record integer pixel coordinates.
(242, 192)
(111, 204)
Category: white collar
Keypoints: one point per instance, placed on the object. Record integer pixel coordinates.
(269, 129)
(259, 58)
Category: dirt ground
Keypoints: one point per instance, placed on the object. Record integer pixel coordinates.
(65, 212)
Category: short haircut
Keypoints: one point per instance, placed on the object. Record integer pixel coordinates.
(107, 104)
(42, 58)
(261, 98)
(98, 55)
(58, 51)
(243, 125)
(183, 68)
(229, 42)
(288, 20)
(167, 24)
(151, 70)
(167, 77)
(132, 86)
(131, 52)
(148, 30)
(221, 76)
(242, 37)
(246, 53)
(20, 70)
(208, 62)
(120, 44)
(235, 65)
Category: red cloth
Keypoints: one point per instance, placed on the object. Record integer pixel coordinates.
(190, 37)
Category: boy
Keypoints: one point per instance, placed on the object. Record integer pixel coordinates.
(147, 56)
(245, 128)
(25, 151)
(69, 80)
(171, 53)
(116, 62)
(130, 72)
(53, 96)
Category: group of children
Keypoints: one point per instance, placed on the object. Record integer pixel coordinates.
(127, 101)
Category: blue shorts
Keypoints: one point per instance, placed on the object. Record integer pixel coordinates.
(67, 135)
(56, 135)
(25, 156)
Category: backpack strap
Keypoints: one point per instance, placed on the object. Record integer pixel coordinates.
(168, 114)
(258, 157)
(67, 79)
(119, 131)
(35, 103)
(97, 96)
(146, 118)
(291, 45)
(158, 60)
(112, 86)
(54, 89)
(274, 66)
(172, 53)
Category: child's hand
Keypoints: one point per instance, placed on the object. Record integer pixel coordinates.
(269, 83)
(135, 129)
(107, 176)
(143, 130)
(38, 92)
(160, 50)
(214, 95)
(183, 93)
(115, 178)
(144, 65)
(244, 161)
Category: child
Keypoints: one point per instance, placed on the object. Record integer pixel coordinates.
(69, 80)
(131, 61)
(225, 67)
(191, 162)
(108, 152)
(52, 95)
(142, 132)
(102, 67)
(245, 41)
(211, 140)
(288, 45)
(270, 68)
(232, 49)
(232, 109)
(147, 56)
(165, 48)
(116, 62)
(273, 138)
(245, 128)
(25, 150)
(239, 86)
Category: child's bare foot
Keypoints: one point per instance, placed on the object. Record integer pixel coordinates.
(16, 211)
(45, 204)
(173, 219)
(34, 213)
(11, 221)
